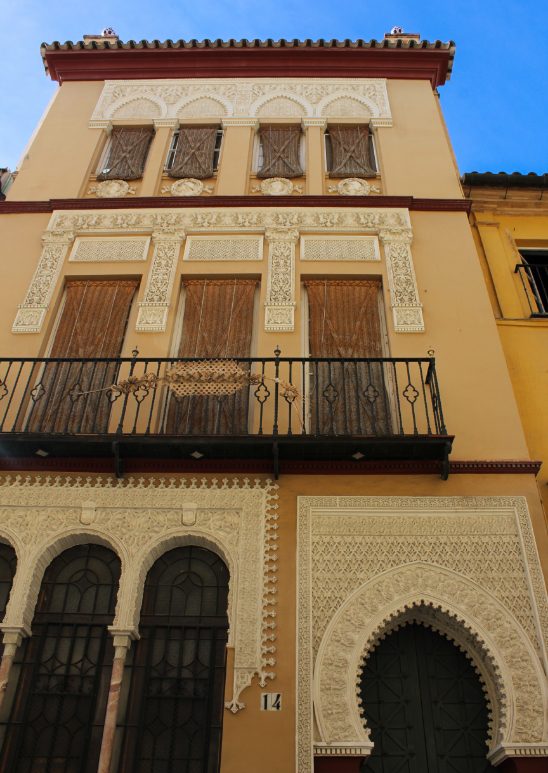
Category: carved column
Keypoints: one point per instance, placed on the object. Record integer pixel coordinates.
(122, 643)
(32, 311)
(280, 291)
(154, 307)
(13, 636)
(406, 307)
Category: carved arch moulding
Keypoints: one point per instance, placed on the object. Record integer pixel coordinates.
(164, 99)
(281, 227)
(140, 520)
(464, 566)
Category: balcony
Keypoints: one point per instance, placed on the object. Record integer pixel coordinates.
(534, 280)
(278, 409)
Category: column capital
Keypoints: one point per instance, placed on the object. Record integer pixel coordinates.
(320, 122)
(281, 234)
(253, 123)
(168, 123)
(160, 235)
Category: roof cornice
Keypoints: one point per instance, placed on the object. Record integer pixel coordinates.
(115, 60)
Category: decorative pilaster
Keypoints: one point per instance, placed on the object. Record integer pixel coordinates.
(153, 309)
(32, 311)
(13, 636)
(406, 307)
(280, 291)
(122, 643)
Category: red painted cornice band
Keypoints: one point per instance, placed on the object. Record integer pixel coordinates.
(210, 202)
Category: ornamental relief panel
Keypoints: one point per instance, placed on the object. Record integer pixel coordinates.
(466, 566)
(365, 98)
(281, 228)
(140, 520)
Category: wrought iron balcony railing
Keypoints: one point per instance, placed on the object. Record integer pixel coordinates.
(315, 408)
(534, 279)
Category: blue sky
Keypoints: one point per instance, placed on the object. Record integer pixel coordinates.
(495, 104)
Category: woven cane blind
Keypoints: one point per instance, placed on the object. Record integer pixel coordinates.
(93, 324)
(128, 153)
(351, 154)
(194, 154)
(217, 323)
(281, 151)
(345, 322)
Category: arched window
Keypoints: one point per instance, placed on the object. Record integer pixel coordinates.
(62, 672)
(173, 715)
(8, 563)
(424, 705)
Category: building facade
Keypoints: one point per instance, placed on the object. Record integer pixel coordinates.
(267, 500)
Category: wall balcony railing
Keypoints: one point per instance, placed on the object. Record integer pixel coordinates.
(534, 279)
(239, 408)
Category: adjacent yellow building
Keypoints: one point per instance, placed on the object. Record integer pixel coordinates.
(267, 501)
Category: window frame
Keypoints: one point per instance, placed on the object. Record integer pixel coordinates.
(328, 152)
(217, 152)
(257, 151)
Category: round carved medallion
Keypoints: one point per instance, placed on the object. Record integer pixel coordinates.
(187, 186)
(276, 186)
(353, 186)
(112, 189)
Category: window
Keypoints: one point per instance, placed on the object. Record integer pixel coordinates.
(350, 151)
(126, 154)
(280, 151)
(533, 272)
(194, 152)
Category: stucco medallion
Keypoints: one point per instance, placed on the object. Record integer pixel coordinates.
(277, 186)
(112, 189)
(188, 186)
(353, 186)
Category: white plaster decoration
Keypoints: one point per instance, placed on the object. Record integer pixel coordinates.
(406, 306)
(321, 123)
(505, 751)
(252, 123)
(187, 186)
(112, 189)
(31, 314)
(154, 308)
(280, 290)
(354, 186)
(465, 566)
(277, 186)
(340, 248)
(166, 123)
(245, 98)
(140, 520)
(211, 248)
(112, 249)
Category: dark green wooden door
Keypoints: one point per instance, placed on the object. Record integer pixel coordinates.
(425, 706)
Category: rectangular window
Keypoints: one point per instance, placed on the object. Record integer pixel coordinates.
(345, 324)
(280, 151)
(126, 153)
(350, 151)
(217, 325)
(71, 396)
(533, 272)
(194, 152)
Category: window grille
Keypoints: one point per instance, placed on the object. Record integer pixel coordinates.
(175, 142)
(371, 150)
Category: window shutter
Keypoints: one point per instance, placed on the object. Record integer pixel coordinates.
(128, 154)
(217, 324)
(351, 152)
(92, 324)
(281, 145)
(194, 153)
(345, 323)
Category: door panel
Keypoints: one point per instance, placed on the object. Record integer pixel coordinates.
(424, 705)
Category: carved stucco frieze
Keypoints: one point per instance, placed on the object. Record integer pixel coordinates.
(31, 313)
(243, 98)
(465, 566)
(154, 307)
(140, 520)
(280, 290)
(281, 225)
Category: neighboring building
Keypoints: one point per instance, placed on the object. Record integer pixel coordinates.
(6, 179)
(510, 221)
(230, 262)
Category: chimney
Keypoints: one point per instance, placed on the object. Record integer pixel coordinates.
(108, 34)
(397, 33)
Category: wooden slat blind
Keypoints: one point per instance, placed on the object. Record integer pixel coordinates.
(92, 324)
(217, 323)
(351, 152)
(345, 323)
(281, 146)
(128, 153)
(194, 153)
